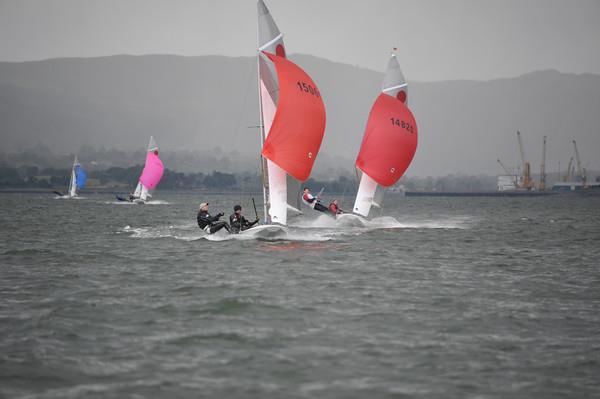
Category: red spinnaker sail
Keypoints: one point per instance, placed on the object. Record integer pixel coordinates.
(390, 141)
(299, 123)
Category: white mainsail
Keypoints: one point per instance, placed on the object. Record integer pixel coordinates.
(73, 182)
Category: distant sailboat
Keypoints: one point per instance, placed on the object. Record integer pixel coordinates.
(389, 143)
(150, 177)
(292, 121)
(77, 181)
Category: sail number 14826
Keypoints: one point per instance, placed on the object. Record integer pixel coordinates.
(404, 125)
(307, 88)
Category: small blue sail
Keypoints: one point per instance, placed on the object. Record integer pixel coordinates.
(80, 176)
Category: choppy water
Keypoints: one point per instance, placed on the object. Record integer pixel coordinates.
(453, 298)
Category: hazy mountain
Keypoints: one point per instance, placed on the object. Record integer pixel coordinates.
(199, 103)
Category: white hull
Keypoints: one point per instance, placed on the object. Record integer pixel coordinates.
(266, 231)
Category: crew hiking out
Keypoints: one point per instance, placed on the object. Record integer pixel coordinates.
(208, 223)
(334, 208)
(238, 222)
(312, 201)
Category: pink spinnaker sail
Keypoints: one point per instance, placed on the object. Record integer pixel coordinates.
(153, 170)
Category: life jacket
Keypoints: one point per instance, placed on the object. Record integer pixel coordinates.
(333, 208)
(309, 200)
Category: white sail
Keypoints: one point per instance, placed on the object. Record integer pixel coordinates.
(73, 182)
(144, 194)
(141, 192)
(368, 193)
(365, 195)
(138, 190)
(274, 185)
(152, 146)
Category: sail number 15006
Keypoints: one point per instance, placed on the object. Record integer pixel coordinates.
(404, 125)
(308, 88)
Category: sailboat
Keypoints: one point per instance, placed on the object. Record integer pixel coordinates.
(389, 143)
(292, 125)
(150, 177)
(77, 181)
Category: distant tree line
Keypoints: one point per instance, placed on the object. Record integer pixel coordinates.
(35, 177)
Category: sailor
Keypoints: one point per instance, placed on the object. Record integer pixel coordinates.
(334, 208)
(312, 201)
(208, 223)
(238, 222)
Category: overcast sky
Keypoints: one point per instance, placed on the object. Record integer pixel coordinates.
(438, 40)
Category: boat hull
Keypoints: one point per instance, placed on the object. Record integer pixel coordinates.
(266, 231)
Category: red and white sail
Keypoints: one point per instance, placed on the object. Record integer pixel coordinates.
(390, 139)
(293, 118)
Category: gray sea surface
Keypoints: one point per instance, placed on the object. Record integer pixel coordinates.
(437, 298)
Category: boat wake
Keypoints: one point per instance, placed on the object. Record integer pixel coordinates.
(355, 222)
(66, 197)
(151, 202)
(324, 228)
(191, 232)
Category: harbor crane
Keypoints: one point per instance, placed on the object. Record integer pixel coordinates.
(527, 182)
(542, 185)
(568, 173)
(580, 170)
(504, 167)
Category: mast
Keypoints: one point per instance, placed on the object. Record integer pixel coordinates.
(580, 171)
(542, 186)
(270, 40)
(263, 160)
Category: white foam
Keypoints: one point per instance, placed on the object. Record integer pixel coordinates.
(157, 202)
(354, 222)
(66, 197)
(152, 202)
(323, 228)
(190, 232)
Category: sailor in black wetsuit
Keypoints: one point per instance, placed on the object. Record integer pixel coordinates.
(312, 201)
(210, 224)
(238, 222)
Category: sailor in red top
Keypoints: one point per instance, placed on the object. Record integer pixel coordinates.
(334, 208)
(312, 201)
